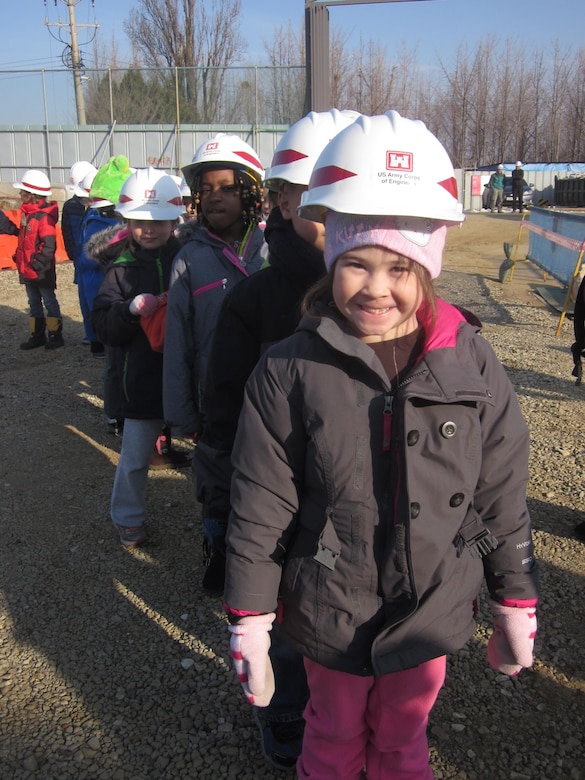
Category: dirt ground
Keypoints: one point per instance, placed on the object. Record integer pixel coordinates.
(114, 665)
(43, 388)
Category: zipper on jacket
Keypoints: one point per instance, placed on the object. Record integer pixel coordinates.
(161, 280)
(125, 377)
(387, 422)
(206, 288)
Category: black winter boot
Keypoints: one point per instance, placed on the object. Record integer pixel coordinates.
(54, 333)
(37, 334)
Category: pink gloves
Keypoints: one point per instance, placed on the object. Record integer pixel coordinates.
(512, 641)
(144, 305)
(249, 645)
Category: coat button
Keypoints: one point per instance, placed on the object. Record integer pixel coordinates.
(448, 429)
(414, 510)
(456, 499)
(412, 438)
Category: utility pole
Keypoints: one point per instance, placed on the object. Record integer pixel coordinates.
(71, 56)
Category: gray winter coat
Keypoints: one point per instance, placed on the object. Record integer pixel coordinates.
(374, 514)
(203, 272)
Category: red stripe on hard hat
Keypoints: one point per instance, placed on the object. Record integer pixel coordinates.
(36, 186)
(176, 201)
(450, 185)
(249, 158)
(123, 199)
(329, 175)
(286, 156)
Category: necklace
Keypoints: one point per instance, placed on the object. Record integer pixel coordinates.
(395, 367)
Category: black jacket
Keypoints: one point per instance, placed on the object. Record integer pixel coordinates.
(134, 271)
(369, 510)
(518, 180)
(71, 220)
(258, 312)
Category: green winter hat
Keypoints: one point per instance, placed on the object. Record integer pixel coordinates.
(108, 181)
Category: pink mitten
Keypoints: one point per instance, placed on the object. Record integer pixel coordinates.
(512, 641)
(144, 305)
(249, 646)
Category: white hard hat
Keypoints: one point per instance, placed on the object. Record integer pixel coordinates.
(225, 151)
(500, 166)
(150, 194)
(182, 185)
(518, 164)
(84, 186)
(77, 173)
(34, 181)
(298, 149)
(383, 165)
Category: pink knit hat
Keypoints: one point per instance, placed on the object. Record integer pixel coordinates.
(417, 238)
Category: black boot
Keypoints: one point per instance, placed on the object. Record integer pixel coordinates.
(37, 334)
(54, 333)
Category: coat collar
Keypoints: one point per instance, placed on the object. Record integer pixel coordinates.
(447, 371)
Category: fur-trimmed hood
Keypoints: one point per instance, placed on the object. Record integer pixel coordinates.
(107, 245)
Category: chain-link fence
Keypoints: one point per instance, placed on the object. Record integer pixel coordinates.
(252, 95)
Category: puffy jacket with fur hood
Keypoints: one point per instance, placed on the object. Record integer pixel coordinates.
(373, 538)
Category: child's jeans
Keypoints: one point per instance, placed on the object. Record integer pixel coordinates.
(128, 502)
(37, 296)
(369, 726)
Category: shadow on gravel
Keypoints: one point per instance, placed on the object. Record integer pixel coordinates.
(115, 664)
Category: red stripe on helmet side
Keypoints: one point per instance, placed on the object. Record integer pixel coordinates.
(450, 185)
(36, 186)
(286, 156)
(329, 174)
(249, 158)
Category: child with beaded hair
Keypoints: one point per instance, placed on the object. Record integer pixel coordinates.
(381, 463)
(220, 248)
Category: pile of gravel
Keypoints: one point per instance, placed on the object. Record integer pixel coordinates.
(114, 665)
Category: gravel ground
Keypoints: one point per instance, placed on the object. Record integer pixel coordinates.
(114, 665)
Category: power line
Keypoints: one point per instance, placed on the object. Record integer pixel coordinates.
(71, 56)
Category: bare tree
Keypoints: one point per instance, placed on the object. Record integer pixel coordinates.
(575, 136)
(453, 110)
(284, 95)
(202, 38)
(164, 33)
(371, 87)
(495, 102)
(340, 69)
(558, 89)
(477, 143)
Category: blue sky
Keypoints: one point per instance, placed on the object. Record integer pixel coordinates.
(436, 27)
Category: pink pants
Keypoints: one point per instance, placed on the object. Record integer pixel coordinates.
(374, 727)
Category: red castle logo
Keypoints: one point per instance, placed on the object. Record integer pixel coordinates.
(399, 161)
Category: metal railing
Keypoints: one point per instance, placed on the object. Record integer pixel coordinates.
(259, 95)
